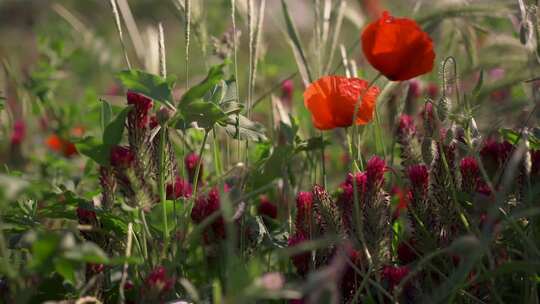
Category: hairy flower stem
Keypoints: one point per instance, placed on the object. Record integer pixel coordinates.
(355, 113)
(196, 179)
(161, 185)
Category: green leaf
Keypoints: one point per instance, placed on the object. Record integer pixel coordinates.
(44, 248)
(153, 86)
(314, 143)
(95, 150)
(114, 130)
(66, 269)
(206, 114)
(510, 135)
(87, 252)
(106, 113)
(214, 77)
(155, 218)
(240, 127)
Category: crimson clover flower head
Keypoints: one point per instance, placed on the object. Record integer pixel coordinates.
(191, 161)
(418, 176)
(180, 188)
(142, 106)
(158, 281)
(86, 216)
(300, 261)
(393, 275)
(406, 127)
(375, 169)
(266, 207)
(122, 157)
(19, 132)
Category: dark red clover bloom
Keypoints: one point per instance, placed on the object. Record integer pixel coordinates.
(419, 178)
(191, 161)
(375, 169)
(393, 275)
(18, 133)
(158, 281)
(122, 157)
(142, 106)
(180, 188)
(266, 207)
(398, 48)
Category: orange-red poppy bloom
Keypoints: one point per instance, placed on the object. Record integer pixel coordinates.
(57, 144)
(398, 48)
(332, 100)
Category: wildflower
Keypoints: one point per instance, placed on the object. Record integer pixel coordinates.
(406, 128)
(153, 122)
(86, 216)
(406, 251)
(180, 188)
(94, 268)
(469, 173)
(287, 88)
(19, 132)
(419, 178)
(266, 207)
(302, 260)
(332, 101)
(142, 105)
(393, 275)
(398, 48)
(122, 157)
(65, 147)
(304, 205)
(376, 167)
(203, 208)
(158, 283)
(191, 162)
(432, 90)
(403, 199)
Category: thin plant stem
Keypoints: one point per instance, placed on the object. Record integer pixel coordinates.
(197, 171)
(161, 185)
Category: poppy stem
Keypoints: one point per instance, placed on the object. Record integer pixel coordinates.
(355, 114)
(323, 161)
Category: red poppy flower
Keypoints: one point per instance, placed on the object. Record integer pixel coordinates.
(332, 100)
(398, 48)
(60, 145)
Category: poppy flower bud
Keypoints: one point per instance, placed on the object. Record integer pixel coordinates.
(398, 48)
(122, 157)
(179, 188)
(191, 162)
(428, 150)
(138, 117)
(333, 100)
(419, 178)
(266, 207)
(19, 132)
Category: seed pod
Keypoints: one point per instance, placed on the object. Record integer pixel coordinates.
(443, 108)
(428, 150)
